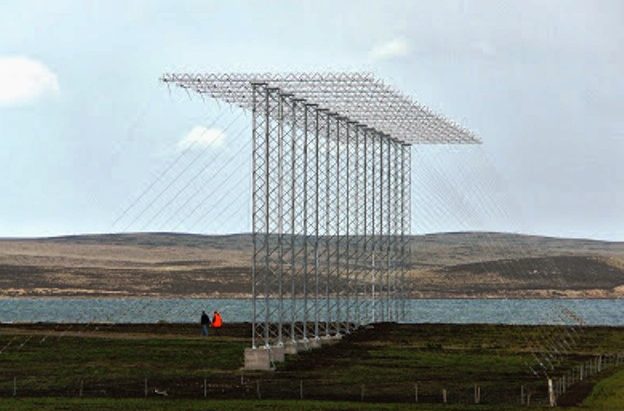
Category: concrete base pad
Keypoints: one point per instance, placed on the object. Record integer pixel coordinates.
(290, 348)
(258, 359)
(277, 353)
(330, 340)
(263, 359)
(314, 343)
(294, 347)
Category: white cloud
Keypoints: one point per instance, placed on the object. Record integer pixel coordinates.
(201, 136)
(23, 80)
(397, 47)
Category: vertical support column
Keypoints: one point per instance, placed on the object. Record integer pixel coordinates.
(259, 212)
(293, 223)
(337, 229)
(268, 238)
(280, 217)
(358, 207)
(382, 232)
(396, 229)
(366, 225)
(406, 213)
(328, 223)
(317, 223)
(375, 225)
(308, 210)
(350, 224)
(347, 230)
(388, 228)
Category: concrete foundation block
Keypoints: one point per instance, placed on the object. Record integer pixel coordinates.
(304, 345)
(258, 359)
(277, 353)
(292, 347)
(330, 340)
(314, 344)
(263, 359)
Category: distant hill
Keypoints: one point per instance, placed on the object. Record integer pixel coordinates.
(445, 265)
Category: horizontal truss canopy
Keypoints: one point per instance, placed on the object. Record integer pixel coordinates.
(359, 97)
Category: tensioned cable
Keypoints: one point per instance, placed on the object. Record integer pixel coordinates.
(197, 191)
(161, 175)
(181, 190)
(487, 238)
(188, 166)
(516, 252)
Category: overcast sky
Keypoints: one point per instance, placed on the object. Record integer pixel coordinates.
(90, 141)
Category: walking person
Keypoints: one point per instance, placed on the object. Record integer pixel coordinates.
(205, 323)
(217, 321)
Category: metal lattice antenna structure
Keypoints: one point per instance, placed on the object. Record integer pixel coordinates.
(331, 165)
(358, 96)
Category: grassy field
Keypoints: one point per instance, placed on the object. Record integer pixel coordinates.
(382, 364)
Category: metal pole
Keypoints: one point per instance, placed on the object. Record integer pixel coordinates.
(347, 236)
(327, 226)
(373, 231)
(357, 232)
(316, 228)
(305, 223)
(280, 217)
(381, 248)
(267, 320)
(365, 226)
(293, 224)
(254, 201)
(338, 285)
(388, 228)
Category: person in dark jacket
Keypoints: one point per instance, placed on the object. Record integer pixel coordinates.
(205, 323)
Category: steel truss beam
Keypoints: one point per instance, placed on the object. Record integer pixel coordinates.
(357, 96)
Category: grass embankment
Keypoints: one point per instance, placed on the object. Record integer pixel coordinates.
(382, 363)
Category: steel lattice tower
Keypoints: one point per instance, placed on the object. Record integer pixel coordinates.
(330, 200)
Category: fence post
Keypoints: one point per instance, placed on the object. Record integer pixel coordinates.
(14, 386)
(444, 395)
(600, 363)
(205, 388)
(551, 393)
(477, 394)
(81, 388)
(258, 390)
(416, 392)
(300, 389)
(362, 392)
(522, 395)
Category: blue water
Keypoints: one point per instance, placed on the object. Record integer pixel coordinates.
(146, 310)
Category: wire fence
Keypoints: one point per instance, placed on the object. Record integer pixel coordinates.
(252, 388)
(559, 386)
(531, 392)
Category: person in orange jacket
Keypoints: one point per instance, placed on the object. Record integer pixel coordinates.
(217, 321)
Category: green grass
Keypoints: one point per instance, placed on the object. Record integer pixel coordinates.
(58, 363)
(608, 394)
(385, 361)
